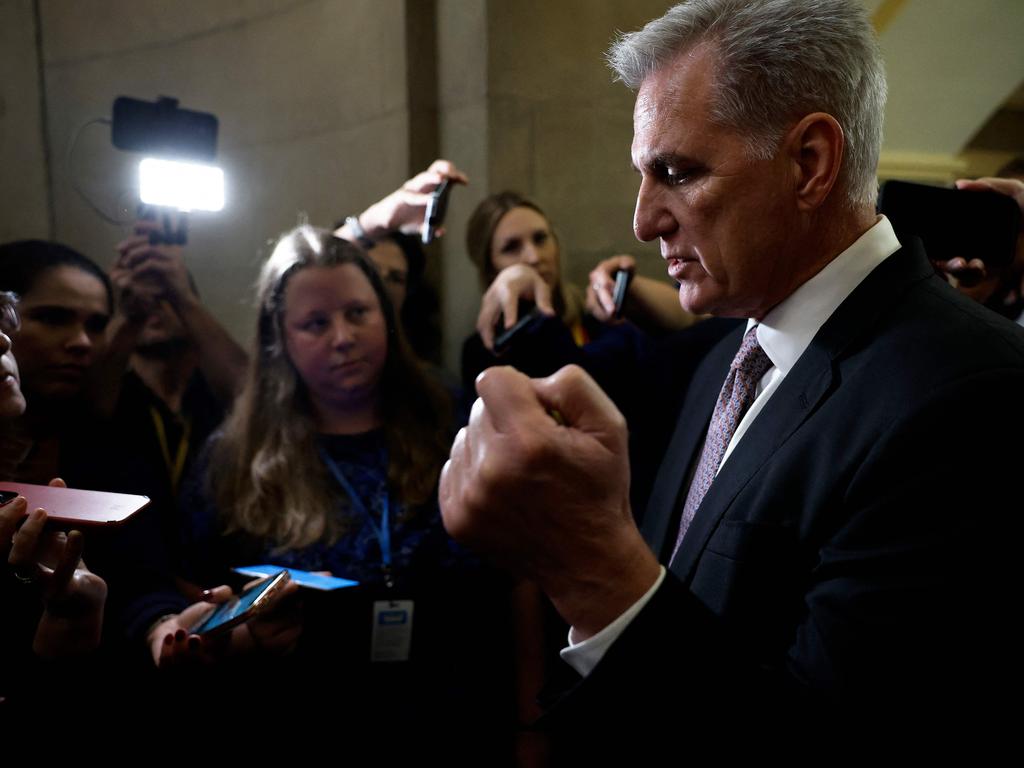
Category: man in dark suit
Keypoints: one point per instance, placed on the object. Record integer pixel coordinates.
(827, 527)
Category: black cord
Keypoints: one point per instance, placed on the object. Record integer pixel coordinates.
(72, 146)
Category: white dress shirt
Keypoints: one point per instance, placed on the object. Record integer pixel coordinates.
(784, 334)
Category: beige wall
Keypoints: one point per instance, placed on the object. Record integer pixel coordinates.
(24, 207)
(311, 99)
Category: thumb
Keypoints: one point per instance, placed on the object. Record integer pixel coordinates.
(581, 404)
(508, 398)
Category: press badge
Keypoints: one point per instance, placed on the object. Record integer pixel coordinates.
(392, 630)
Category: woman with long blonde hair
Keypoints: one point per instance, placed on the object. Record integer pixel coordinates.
(332, 452)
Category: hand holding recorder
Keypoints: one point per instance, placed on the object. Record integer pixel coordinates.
(499, 307)
(406, 209)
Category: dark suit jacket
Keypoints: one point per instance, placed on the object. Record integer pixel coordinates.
(852, 554)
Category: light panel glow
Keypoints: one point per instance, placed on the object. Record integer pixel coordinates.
(185, 186)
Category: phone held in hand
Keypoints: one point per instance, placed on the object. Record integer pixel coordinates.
(623, 278)
(953, 222)
(240, 608)
(528, 317)
(436, 210)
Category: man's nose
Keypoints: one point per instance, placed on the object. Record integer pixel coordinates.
(651, 219)
(5, 343)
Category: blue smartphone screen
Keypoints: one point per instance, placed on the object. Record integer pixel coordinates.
(233, 607)
(302, 578)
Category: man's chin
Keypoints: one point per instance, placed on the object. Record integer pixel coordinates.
(700, 303)
(695, 301)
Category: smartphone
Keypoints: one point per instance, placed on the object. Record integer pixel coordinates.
(6, 497)
(75, 506)
(623, 278)
(436, 209)
(240, 608)
(529, 316)
(953, 222)
(306, 579)
(161, 127)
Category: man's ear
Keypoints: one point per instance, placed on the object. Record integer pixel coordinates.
(815, 145)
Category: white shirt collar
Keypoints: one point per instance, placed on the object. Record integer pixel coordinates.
(787, 330)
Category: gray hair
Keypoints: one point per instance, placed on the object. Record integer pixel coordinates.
(778, 61)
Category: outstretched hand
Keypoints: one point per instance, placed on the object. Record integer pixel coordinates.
(276, 630)
(146, 273)
(972, 273)
(173, 644)
(601, 289)
(403, 210)
(520, 282)
(73, 597)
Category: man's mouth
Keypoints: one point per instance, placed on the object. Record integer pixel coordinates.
(678, 265)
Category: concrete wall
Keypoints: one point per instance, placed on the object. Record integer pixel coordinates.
(462, 44)
(311, 99)
(24, 205)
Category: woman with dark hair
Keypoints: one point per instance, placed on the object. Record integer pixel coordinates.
(329, 461)
(401, 262)
(65, 303)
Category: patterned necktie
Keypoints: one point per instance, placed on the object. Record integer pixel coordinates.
(737, 394)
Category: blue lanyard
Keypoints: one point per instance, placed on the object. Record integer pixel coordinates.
(382, 531)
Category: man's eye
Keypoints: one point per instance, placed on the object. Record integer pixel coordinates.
(674, 176)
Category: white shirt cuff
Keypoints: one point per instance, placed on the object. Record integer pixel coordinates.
(584, 656)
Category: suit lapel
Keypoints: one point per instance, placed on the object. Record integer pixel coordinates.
(798, 395)
(814, 377)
